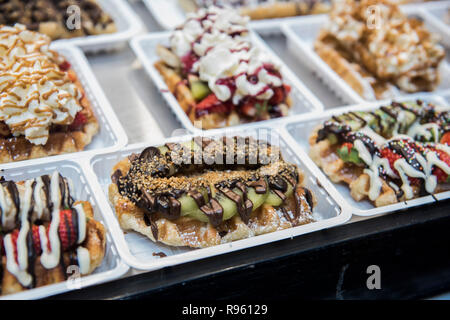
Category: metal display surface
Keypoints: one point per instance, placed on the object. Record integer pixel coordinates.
(145, 116)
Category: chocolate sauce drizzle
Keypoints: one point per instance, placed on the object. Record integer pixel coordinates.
(166, 204)
(10, 190)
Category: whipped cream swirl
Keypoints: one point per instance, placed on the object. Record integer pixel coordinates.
(35, 92)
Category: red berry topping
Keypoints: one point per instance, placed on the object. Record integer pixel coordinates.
(188, 61)
(438, 172)
(14, 236)
(391, 156)
(349, 146)
(211, 104)
(65, 66)
(279, 95)
(78, 122)
(36, 239)
(445, 139)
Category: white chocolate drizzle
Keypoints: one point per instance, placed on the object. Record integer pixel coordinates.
(50, 243)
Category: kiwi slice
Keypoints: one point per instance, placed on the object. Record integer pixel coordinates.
(199, 90)
(255, 198)
(163, 149)
(274, 200)
(189, 205)
(198, 215)
(349, 156)
(228, 205)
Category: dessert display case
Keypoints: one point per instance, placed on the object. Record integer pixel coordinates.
(327, 258)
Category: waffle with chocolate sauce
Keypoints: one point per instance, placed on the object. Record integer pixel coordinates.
(188, 195)
(46, 236)
(392, 154)
(378, 50)
(264, 9)
(38, 92)
(53, 18)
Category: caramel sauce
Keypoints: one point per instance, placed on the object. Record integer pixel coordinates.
(20, 67)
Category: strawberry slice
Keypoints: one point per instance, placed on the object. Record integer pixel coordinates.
(211, 104)
(36, 239)
(248, 107)
(65, 66)
(391, 156)
(14, 236)
(445, 139)
(78, 122)
(349, 146)
(66, 229)
(441, 176)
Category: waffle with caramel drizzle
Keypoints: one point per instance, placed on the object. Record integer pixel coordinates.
(378, 50)
(34, 252)
(152, 191)
(17, 64)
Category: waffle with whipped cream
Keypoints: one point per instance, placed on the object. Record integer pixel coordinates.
(43, 108)
(46, 236)
(58, 19)
(394, 153)
(218, 77)
(378, 50)
(240, 188)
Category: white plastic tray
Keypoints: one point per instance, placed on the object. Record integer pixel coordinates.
(127, 22)
(112, 266)
(303, 32)
(111, 135)
(300, 129)
(145, 48)
(137, 250)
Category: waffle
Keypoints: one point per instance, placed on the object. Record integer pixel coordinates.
(188, 231)
(325, 155)
(25, 114)
(94, 242)
(18, 148)
(50, 16)
(277, 9)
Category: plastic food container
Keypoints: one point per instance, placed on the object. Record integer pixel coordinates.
(145, 48)
(300, 129)
(127, 22)
(137, 250)
(111, 135)
(112, 266)
(303, 32)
